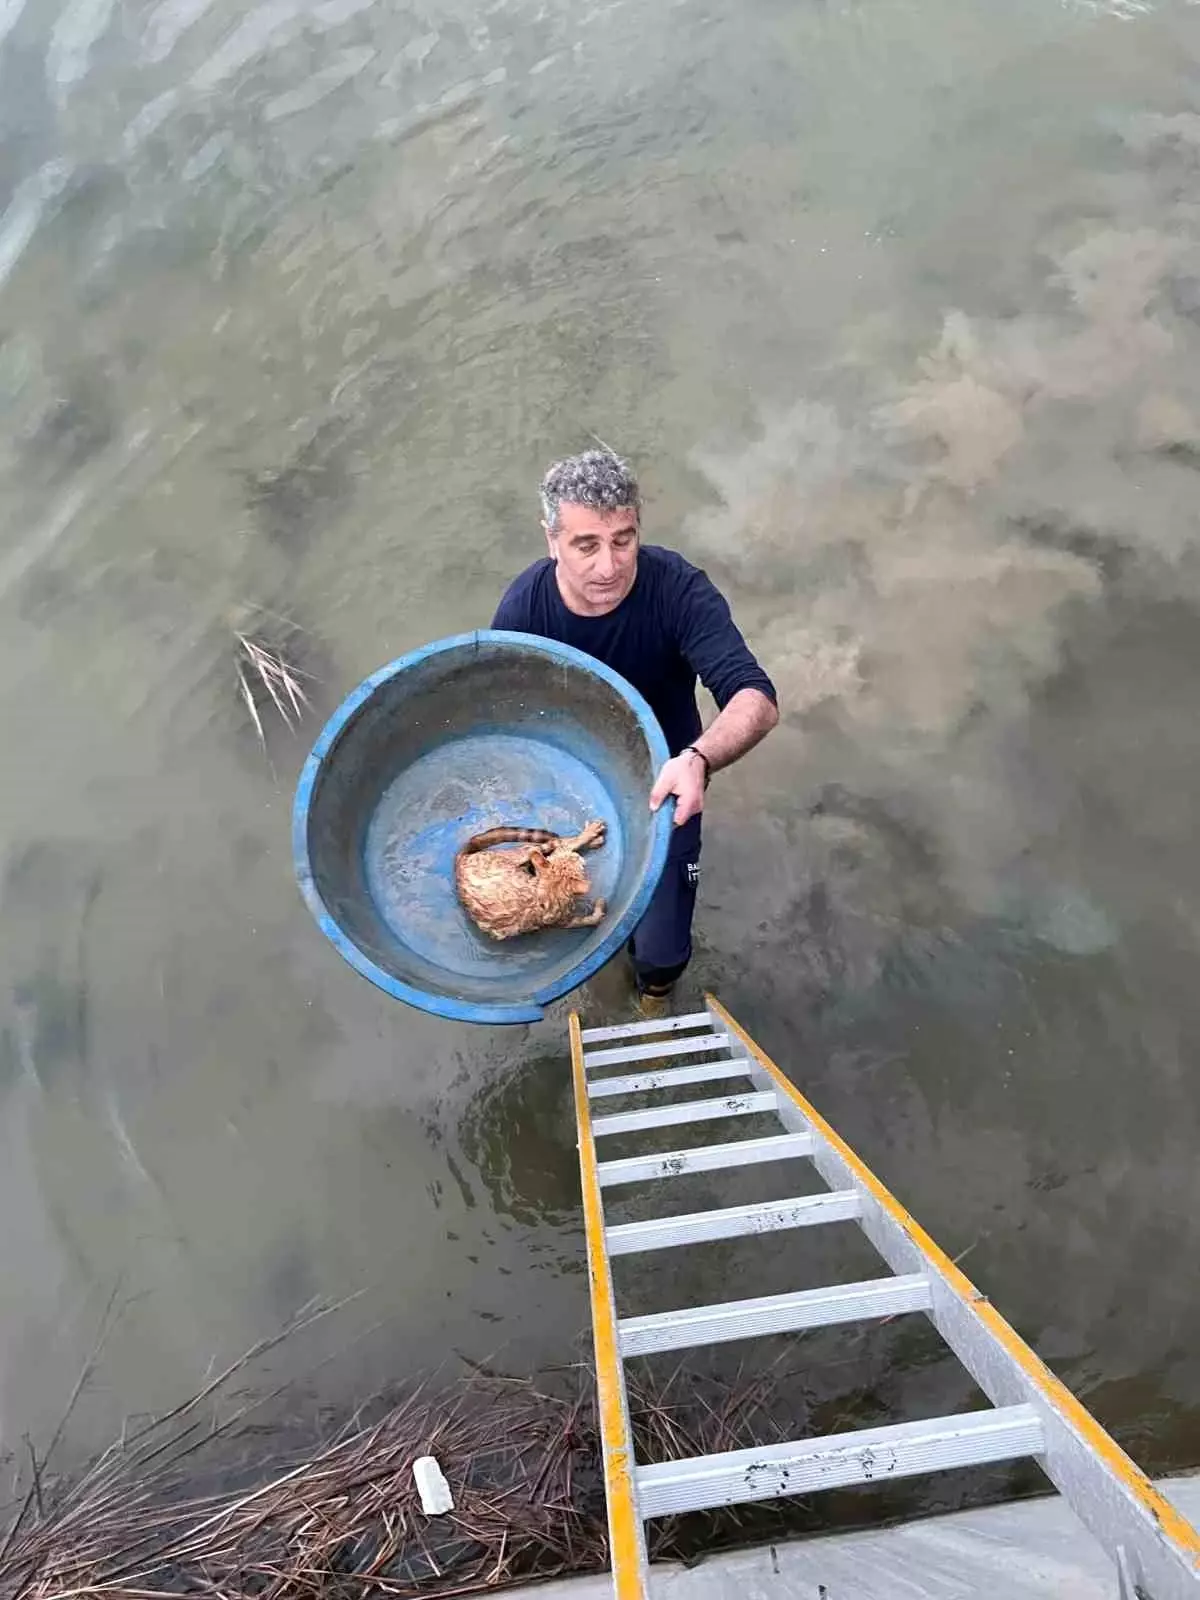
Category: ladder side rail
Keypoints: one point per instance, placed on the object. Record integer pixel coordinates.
(626, 1530)
(1105, 1489)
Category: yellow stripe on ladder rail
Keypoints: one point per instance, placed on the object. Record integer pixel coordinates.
(626, 1535)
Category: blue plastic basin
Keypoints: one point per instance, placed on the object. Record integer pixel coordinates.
(481, 730)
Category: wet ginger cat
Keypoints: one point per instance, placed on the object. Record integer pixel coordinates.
(506, 892)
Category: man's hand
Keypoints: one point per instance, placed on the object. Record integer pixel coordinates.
(683, 777)
(748, 717)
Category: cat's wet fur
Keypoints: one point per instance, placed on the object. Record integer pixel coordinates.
(507, 892)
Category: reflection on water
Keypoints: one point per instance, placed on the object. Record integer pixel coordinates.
(897, 310)
(519, 1132)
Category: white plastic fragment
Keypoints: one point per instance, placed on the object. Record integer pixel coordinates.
(436, 1498)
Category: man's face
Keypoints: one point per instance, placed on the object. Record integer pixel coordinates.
(596, 555)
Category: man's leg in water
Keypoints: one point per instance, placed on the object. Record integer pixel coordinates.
(661, 946)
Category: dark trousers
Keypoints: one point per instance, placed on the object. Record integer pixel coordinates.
(661, 946)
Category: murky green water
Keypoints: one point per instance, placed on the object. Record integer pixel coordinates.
(897, 308)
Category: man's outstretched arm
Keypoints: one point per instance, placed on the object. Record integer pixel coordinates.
(747, 718)
(713, 645)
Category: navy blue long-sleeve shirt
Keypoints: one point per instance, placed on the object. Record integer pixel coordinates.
(673, 627)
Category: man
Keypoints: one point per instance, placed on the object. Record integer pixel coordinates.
(660, 623)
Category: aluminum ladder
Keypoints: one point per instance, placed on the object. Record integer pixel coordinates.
(1155, 1550)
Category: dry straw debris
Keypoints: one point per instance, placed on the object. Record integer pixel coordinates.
(191, 1506)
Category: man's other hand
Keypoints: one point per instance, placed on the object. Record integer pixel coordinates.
(683, 776)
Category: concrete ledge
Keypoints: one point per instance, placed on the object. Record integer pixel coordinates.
(1025, 1550)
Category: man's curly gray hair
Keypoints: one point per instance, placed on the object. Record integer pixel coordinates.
(597, 478)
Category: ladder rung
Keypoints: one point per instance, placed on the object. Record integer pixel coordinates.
(707, 1158)
(779, 1470)
(673, 1078)
(631, 1030)
(773, 1313)
(733, 1105)
(647, 1052)
(731, 1222)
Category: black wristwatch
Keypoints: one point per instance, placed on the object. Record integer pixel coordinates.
(690, 749)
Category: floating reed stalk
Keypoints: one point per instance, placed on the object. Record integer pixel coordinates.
(266, 677)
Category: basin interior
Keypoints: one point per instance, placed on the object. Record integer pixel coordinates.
(483, 734)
